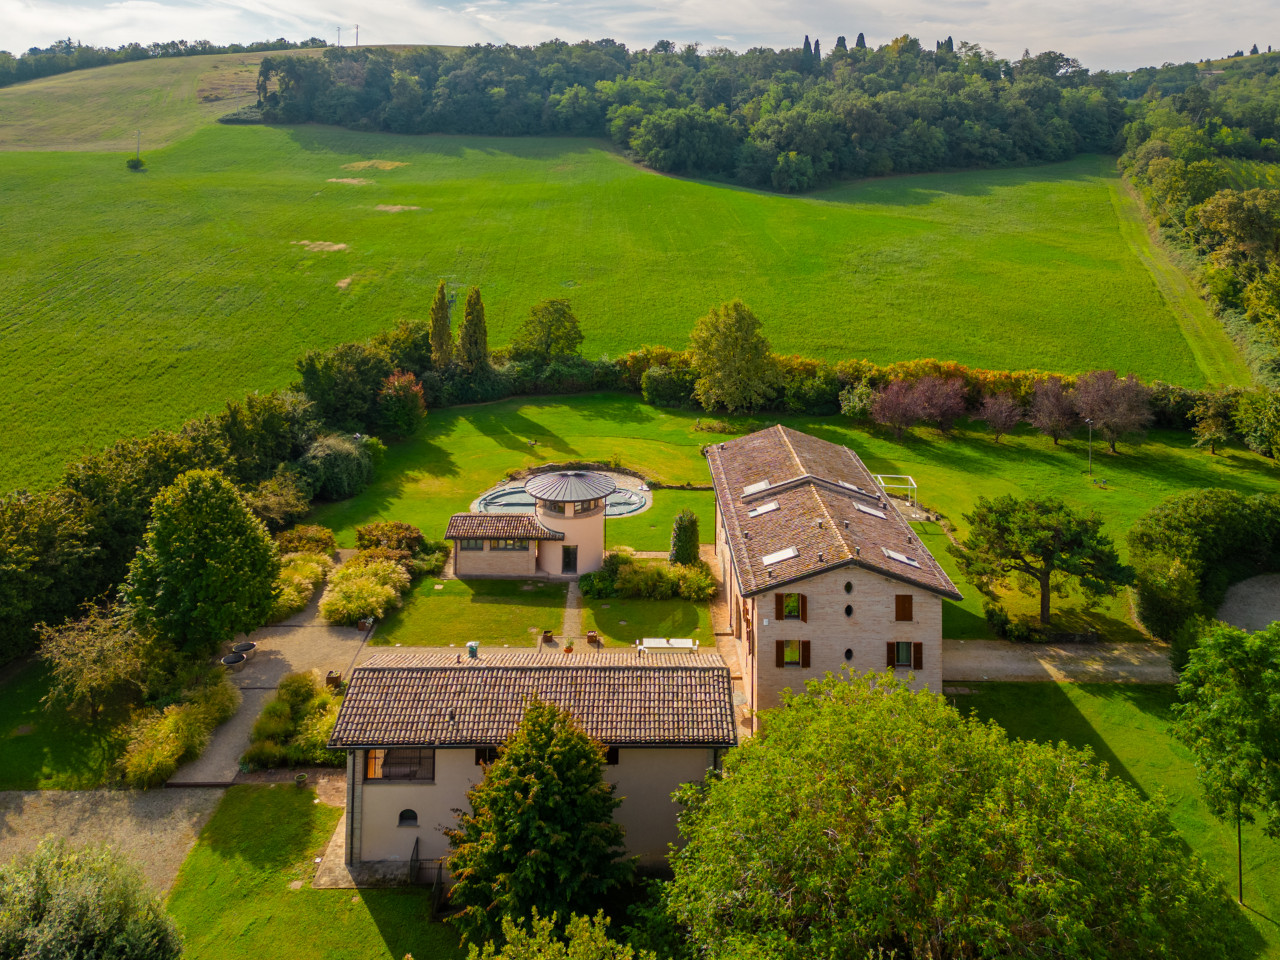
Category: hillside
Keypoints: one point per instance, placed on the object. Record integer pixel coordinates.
(134, 301)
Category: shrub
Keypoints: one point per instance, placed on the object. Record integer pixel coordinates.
(309, 567)
(161, 742)
(684, 537)
(401, 407)
(695, 582)
(300, 573)
(648, 581)
(390, 534)
(310, 743)
(292, 597)
(997, 618)
(340, 466)
(386, 573)
(263, 755)
(135, 163)
(217, 701)
(295, 726)
(1020, 631)
(280, 500)
(856, 401)
(307, 538)
(60, 902)
(356, 598)
(297, 690)
(660, 386)
(274, 723)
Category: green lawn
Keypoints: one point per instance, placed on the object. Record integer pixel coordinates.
(233, 898)
(50, 749)
(622, 622)
(651, 530)
(136, 301)
(504, 612)
(1127, 726)
(464, 451)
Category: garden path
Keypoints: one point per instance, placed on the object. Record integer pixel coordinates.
(1252, 604)
(300, 643)
(155, 829)
(975, 660)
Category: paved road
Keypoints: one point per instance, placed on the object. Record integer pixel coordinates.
(156, 829)
(975, 660)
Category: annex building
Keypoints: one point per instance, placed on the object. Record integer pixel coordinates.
(820, 569)
(418, 727)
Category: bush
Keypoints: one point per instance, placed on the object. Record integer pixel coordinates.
(60, 902)
(401, 406)
(660, 386)
(300, 574)
(280, 500)
(217, 701)
(355, 599)
(390, 534)
(997, 619)
(161, 742)
(387, 573)
(695, 582)
(295, 726)
(648, 581)
(307, 538)
(135, 163)
(684, 537)
(340, 466)
(263, 755)
(1020, 631)
(292, 597)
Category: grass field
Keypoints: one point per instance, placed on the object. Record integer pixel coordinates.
(133, 301)
(233, 897)
(1127, 726)
(466, 450)
(498, 612)
(50, 749)
(623, 622)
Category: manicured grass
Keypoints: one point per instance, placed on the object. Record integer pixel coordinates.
(51, 749)
(232, 898)
(651, 530)
(648, 618)
(462, 452)
(511, 612)
(1127, 726)
(136, 301)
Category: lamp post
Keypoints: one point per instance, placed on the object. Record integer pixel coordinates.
(1090, 423)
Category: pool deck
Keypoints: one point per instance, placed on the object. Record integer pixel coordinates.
(626, 484)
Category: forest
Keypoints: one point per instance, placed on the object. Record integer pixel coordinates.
(787, 120)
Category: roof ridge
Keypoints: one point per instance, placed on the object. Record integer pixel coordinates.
(792, 450)
(822, 504)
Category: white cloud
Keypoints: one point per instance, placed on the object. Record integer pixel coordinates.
(1101, 34)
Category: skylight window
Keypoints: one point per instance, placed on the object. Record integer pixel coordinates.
(900, 557)
(872, 511)
(770, 559)
(854, 487)
(751, 488)
(769, 507)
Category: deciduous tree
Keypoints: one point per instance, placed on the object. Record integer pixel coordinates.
(897, 406)
(1229, 717)
(540, 831)
(441, 332)
(1118, 407)
(581, 939)
(207, 567)
(1001, 412)
(1053, 409)
(473, 336)
(401, 408)
(96, 661)
(551, 332)
(864, 816)
(941, 400)
(1212, 416)
(1044, 544)
(731, 355)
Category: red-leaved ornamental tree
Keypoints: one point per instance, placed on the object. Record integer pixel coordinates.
(401, 407)
(1116, 406)
(1053, 410)
(941, 399)
(1001, 412)
(898, 407)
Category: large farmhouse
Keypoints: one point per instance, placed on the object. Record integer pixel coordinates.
(417, 727)
(820, 569)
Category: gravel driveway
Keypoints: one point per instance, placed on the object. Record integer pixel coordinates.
(156, 829)
(1252, 604)
(973, 660)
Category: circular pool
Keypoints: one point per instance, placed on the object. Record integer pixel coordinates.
(512, 498)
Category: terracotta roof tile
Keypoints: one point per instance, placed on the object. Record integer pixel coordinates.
(829, 508)
(617, 697)
(498, 526)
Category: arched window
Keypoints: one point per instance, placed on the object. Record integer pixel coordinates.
(408, 818)
(848, 609)
(848, 586)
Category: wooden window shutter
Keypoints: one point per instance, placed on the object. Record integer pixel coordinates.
(902, 608)
(804, 608)
(779, 606)
(917, 656)
(891, 654)
(804, 653)
(781, 651)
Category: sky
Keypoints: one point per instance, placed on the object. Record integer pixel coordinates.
(1102, 34)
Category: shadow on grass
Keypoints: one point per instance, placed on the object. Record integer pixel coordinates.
(237, 830)
(403, 919)
(514, 431)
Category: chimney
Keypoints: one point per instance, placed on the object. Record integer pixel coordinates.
(846, 524)
(820, 556)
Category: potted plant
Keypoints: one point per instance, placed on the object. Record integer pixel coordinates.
(546, 636)
(568, 646)
(300, 779)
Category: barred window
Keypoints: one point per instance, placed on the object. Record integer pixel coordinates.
(508, 544)
(413, 763)
(470, 544)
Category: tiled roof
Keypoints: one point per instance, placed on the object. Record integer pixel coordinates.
(619, 698)
(498, 526)
(830, 512)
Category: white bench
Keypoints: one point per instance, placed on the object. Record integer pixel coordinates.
(673, 644)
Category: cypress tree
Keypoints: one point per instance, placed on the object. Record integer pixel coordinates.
(473, 336)
(808, 47)
(860, 43)
(817, 49)
(951, 45)
(441, 334)
(841, 45)
(684, 537)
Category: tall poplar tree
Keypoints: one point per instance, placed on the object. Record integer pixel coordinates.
(441, 332)
(473, 336)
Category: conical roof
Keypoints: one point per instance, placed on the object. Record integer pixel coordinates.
(568, 485)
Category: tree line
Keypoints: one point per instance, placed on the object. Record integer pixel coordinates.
(63, 56)
(1202, 160)
(786, 119)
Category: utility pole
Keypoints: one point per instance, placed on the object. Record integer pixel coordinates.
(339, 36)
(138, 153)
(1090, 423)
(357, 34)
